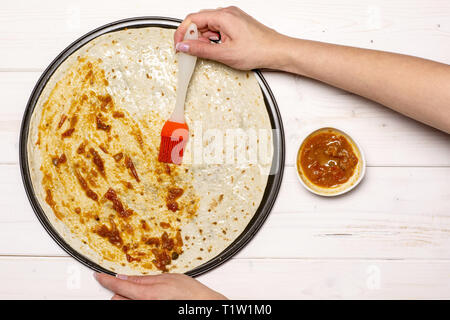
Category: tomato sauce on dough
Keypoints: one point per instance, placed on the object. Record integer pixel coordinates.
(327, 159)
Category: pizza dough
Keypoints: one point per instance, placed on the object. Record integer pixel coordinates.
(93, 146)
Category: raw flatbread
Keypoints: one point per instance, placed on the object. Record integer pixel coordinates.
(93, 146)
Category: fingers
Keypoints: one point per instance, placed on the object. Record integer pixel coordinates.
(201, 49)
(146, 280)
(124, 288)
(210, 35)
(205, 20)
(156, 287)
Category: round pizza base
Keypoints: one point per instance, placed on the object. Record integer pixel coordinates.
(141, 70)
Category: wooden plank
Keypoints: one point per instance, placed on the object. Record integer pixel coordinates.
(15, 90)
(387, 138)
(331, 279)
(64, 278)
(394, 213)
(398, 26)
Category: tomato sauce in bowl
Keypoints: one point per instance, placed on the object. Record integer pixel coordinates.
(329, 162)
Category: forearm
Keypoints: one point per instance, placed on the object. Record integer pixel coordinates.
(416, 87)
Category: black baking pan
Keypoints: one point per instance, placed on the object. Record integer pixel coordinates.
(273, 184)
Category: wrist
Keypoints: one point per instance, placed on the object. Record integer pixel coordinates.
(284, 54)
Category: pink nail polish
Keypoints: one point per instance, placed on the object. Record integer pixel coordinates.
(121, 276)
(183, 47)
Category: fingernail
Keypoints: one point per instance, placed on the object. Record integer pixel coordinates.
(96, 275)
(121, 276)
(183, 47)
(214, 38)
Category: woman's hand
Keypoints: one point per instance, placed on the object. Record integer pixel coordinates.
(158, 287)
(245, 43)
(413, 86)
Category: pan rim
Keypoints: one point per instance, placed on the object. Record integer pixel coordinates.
(272, 186)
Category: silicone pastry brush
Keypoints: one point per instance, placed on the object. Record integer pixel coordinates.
(175, 132)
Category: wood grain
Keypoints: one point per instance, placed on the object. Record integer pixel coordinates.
(63, 278)
(387, 239)
(387, 138)
(394, 213)
(35, 34)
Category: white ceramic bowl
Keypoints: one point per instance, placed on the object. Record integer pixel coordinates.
(354, 180)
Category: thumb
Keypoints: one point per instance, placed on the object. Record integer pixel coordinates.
(201, 49)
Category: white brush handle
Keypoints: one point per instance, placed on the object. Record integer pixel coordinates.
(186, 65)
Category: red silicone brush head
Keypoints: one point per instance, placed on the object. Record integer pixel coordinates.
(174, 137)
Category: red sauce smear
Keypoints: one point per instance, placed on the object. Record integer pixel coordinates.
(73, 121)
(98, 161)
(49, 198)
(61, 122)
(162, 259)
(118, 156)
(67, 133)
(101, 125)
(167, 243)
(59, 160)
(144, 225)
(81, 148)
(105, 100)
(118, 114)
(166, 249)
(111, 195)
(170, 250)
(152, 241)
(130, 165)
(89, 193)
(52, 203)
(164, 225)
(113, 234)
(172, 206)
(131, 259)
(103, 148)
(172, 195)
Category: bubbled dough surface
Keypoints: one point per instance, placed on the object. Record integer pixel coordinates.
(147, 89)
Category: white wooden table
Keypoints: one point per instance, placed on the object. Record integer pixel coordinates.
(389, 238)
